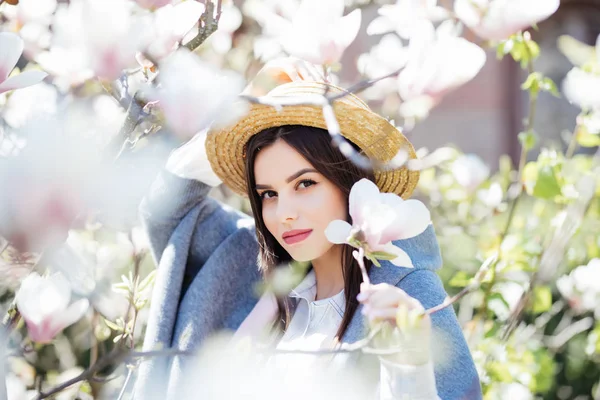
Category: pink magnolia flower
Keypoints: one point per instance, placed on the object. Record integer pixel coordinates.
(153, 4)
(387, 56)
(404, 16)
(498, 19)
(439, 61)
(317, 31)
(83, 44)
(44, 303)
(195, 94)
(377, 220)
(171, 24)
(11, 47)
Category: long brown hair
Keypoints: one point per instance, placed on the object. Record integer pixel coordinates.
(314, 144)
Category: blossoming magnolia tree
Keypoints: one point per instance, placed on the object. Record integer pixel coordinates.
(95, 93)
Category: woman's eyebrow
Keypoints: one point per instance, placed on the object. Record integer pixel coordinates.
(290, 178)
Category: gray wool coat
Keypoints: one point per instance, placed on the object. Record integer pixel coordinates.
(206, 254)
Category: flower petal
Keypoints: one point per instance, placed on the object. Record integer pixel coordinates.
(338, 231)
(69, 316)
(22, 80)
(11, 47)
(402, 258)
(412, 218)
(347, 28)
(362, 193)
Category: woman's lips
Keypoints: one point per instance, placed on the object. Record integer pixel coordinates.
(297, 238)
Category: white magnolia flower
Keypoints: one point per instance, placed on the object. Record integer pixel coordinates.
(582, 286)
(439, 61)
(582, 85)
(498, 19)
(470, 171)
(404, 16)
(44, 303)
(11, 47)
(31, 20)
(378, 219)
(230, 21)
(385, 57)
(85, 45)
(319, 33)
(315, 30)
(171, 24)
(195, 94)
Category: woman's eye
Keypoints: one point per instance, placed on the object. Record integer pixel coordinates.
(307, 183)
(266, 193)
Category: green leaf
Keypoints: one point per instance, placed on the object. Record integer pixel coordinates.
(546, 186)
(113, 326)
(532, 83)
(382, 255)
(528, 140)
(586, 139)
(548, 85)
(499, 372)
(542, 299)
(533, 49)
(147, 281)
(460, 279)
(373, 260)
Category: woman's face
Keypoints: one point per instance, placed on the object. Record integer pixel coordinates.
(297, 201)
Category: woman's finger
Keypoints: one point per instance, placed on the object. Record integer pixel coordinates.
(387, 295)
(380, 313)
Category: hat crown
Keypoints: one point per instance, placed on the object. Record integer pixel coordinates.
(299, 88)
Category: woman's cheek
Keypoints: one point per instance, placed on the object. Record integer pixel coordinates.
(268, 216)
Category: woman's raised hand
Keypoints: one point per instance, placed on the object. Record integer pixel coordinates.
(406, 329)
(190, 161)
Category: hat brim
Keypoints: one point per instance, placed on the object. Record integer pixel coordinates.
(377, 137)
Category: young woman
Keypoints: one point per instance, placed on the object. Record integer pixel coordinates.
(210, 256)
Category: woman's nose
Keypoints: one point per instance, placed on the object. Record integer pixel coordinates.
(286, 210)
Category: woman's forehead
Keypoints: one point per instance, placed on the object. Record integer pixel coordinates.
(277, 162)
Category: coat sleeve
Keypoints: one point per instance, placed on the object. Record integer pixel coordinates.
(170, 199)
(455, 374)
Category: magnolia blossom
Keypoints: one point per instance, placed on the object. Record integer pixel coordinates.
(378, 219)
(582, 286)
(582, 84)
(230, 21)
(11, 47)
(195, 94)
(498, 19)
(83, 44)
(44, 303)
(315, 30)
(31, 20)
(153, 4)
(319, 33)
(170, 25)
(387, 56)
(470, 171)
(273, 16)
(404, 16)
(439, 61)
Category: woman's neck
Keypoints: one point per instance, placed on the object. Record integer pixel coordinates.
(328, 273)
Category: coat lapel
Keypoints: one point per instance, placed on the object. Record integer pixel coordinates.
(424, 252)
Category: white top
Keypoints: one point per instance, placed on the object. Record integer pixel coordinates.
(314, 325)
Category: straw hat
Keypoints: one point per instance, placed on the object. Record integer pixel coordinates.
(378, 139)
